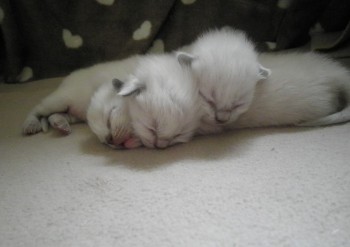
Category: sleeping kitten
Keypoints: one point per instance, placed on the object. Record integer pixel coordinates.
(303, 89)
(69, 102)
(162, 100)
(225, 65)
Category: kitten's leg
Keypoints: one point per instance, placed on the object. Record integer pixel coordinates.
(61, 121)
(33, 125)
(35, 121)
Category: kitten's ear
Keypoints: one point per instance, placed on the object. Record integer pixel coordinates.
(185, 58)
(117, 84)
(131, 87)
(264, 73)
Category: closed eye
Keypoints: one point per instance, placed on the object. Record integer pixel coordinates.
(210, 102)
(237, 106)
(109, 118)
(177, 136)
(152, 131)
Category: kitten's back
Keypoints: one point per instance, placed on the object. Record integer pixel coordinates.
(301, 88)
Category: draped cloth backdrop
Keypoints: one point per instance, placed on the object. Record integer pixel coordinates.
(49, 38)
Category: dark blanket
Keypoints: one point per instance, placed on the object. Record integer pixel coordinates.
(48, 38)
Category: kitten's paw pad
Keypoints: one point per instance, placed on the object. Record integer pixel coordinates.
(31, 126)
(59, 122)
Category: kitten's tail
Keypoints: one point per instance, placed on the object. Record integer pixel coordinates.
(338, 117)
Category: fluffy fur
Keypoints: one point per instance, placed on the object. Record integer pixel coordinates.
(69, 103)
(225, 65)
(303, 89)
(162, 101)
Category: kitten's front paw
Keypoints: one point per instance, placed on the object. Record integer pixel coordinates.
(31, 126)
(59, 122)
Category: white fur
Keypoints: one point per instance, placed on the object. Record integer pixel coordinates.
(302, 87)
(108, 118)
(225, 65)
(70, 101)
(162, 101)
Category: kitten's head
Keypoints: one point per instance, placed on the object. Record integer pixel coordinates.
(108, 118)
(226, 67)
(162, 101)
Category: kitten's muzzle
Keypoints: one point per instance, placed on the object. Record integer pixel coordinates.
(222, 117)
(157, 143)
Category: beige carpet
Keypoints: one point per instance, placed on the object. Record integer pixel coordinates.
(263, 187)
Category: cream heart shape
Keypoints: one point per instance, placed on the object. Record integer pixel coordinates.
(71, 41)
(271, 45)
(106, 2)
(25, 74)
(317, 28)
(2, 15)
(188, 2)
(143, 31)
(157, 47)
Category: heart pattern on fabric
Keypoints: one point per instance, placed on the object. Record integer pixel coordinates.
(25, 75)
(188, 2)
(271, 45)
(70, 40)
(105, 2)
(284, 4)
(143, 31)
(317, 28)
(157, 47)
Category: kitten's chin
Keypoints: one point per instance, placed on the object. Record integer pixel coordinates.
(148, 144)
(160, 144)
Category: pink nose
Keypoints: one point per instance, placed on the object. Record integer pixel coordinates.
(113, 141)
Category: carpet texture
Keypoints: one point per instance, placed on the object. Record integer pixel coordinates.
(263, 187)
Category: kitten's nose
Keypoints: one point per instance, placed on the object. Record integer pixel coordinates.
(222, 116)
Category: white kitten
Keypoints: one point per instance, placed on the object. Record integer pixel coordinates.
(68, 104)
(302, 88)
(225, 65)
(162, 101)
